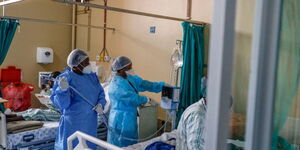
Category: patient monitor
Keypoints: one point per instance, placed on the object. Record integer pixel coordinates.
(43, 78)
(170, 98)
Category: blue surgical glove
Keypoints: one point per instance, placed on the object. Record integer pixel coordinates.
(63, 84)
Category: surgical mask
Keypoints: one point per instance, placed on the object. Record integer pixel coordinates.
(130, 72)
(87, 69)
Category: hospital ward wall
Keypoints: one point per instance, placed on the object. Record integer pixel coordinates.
(150, 52)
(31, 35)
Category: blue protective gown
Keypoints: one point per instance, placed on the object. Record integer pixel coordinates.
(77, 114)
(124, 102)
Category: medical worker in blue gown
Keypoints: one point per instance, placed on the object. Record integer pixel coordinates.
(77, 114)
(124, 95)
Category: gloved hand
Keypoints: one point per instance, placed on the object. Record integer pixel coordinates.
(98, 109)
(148, 99)
(151, 102)
(168, 85)
(63, 84)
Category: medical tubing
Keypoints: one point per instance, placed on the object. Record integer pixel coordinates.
(112, 130)
(166, 121)
(135, 140)
(85, 99)
(172, 78)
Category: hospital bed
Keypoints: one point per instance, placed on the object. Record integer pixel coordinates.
(83, 138)
(290, 132)
(42, 138)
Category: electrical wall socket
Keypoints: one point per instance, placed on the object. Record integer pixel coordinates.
(152, 29)
(98, 58)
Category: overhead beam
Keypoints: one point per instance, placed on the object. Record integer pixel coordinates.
(128, 11)
(55, 22)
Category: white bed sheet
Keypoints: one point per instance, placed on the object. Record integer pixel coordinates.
(48, 131)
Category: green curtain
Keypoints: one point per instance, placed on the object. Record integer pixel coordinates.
(7, 31)
(193, 64)
(288, 69)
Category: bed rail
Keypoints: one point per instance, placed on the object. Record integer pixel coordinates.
(3, 131)
(82, 138)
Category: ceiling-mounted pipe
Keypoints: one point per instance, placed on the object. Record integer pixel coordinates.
(128, 11)
(189, 9)
(74, 21)
(105, 21)
(104, 55)
(3, 10)
(89, 30)
(56, 22)
(105, 24)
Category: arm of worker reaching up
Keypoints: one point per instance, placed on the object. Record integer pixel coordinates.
(61, 96)
(144, 85)
(127, 97)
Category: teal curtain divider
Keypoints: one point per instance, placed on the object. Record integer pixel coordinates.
(193, 64)
(7, 31)
(288, 70)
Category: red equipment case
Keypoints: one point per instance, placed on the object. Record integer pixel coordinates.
(9, 75)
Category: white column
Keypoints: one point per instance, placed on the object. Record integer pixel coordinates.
(263, 75)
(220, 74)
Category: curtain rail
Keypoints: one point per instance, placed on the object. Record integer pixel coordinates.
(55, 22)
(128, 11)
